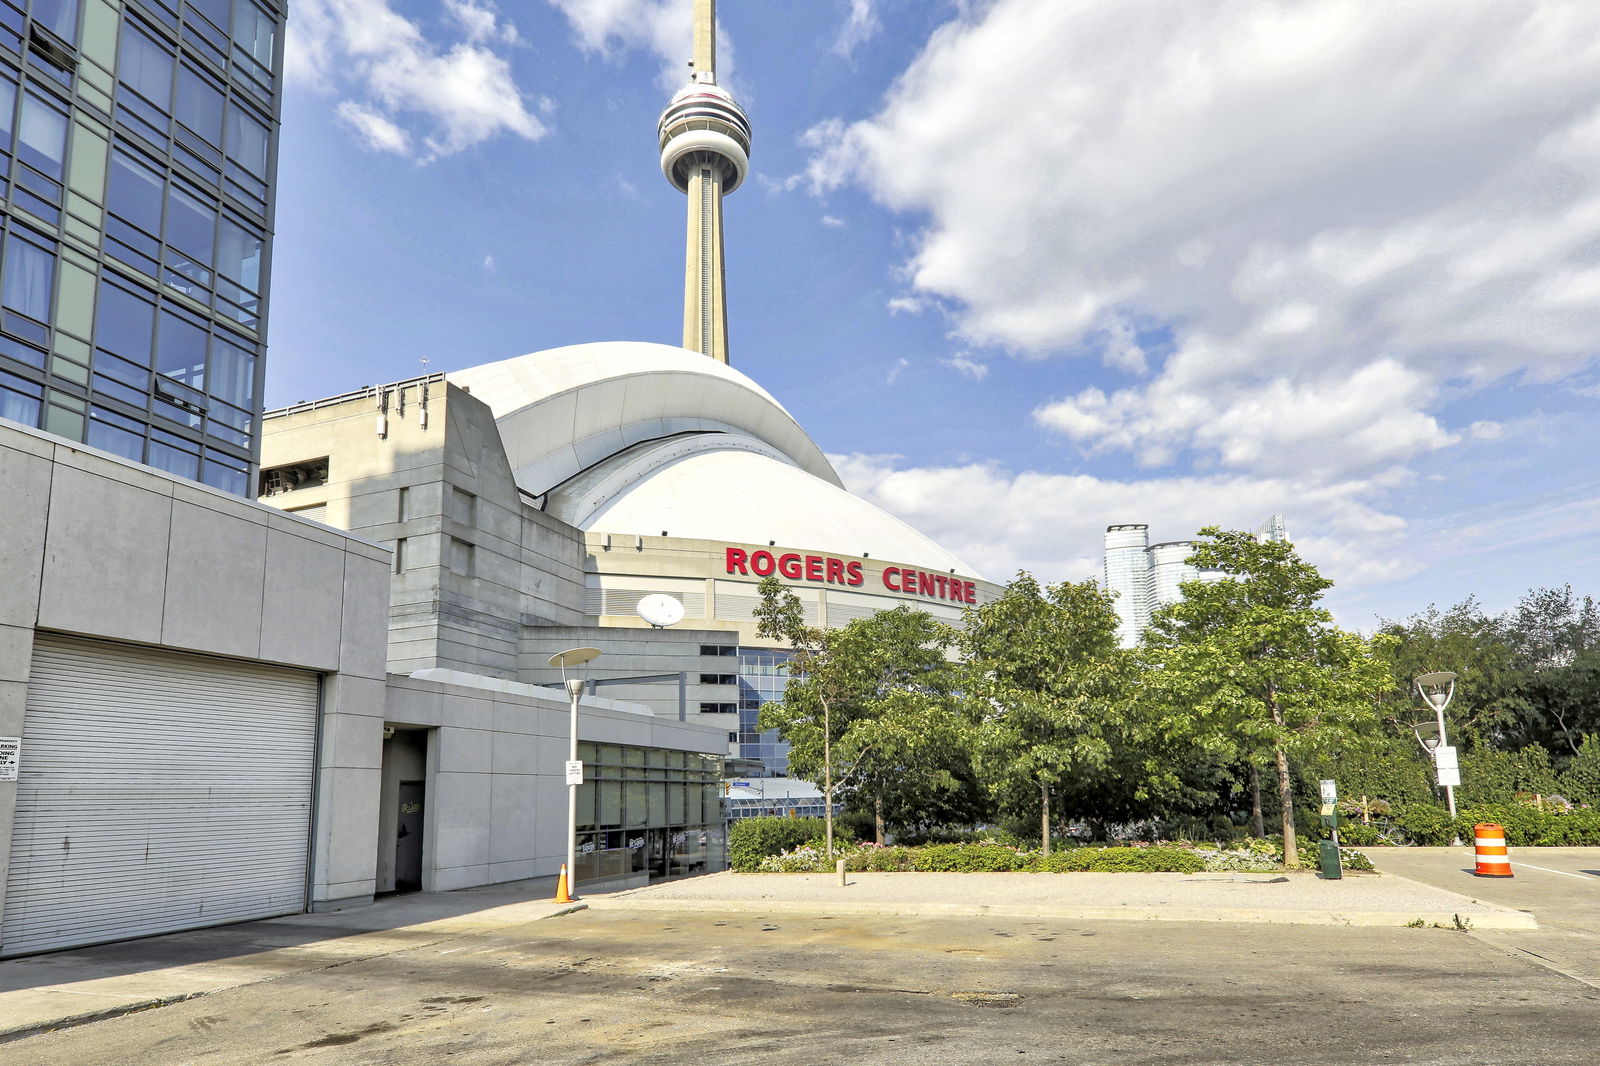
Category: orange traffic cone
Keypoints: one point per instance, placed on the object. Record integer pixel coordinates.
(561, 886)
(1490, 844)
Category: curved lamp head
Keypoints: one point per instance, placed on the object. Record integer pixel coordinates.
(573, 657)
(1437, 689)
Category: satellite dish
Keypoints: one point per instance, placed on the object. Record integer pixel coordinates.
(660, 610)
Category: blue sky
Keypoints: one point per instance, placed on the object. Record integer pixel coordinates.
(1025, 268)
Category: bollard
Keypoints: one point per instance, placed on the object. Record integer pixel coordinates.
(840, 864)
(1489, 842)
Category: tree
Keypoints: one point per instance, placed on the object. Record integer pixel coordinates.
(871, 705)
(1249, 663)
(1051, 685)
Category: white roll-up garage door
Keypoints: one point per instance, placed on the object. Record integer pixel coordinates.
(158, 791)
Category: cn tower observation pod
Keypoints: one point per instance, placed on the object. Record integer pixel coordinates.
(637, 438)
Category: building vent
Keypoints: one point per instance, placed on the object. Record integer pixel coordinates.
(281, 479)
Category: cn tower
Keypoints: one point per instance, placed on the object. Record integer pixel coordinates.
(705, 152)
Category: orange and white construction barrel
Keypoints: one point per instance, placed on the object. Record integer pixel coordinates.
(1490, 842)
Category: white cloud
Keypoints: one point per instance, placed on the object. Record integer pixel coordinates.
(895, 371)
(488, 264)
(1485, 430)
(833, 221)
(377, 132)
(964, 364)
(1344, 214)
(905, 305)
(1053, 524)
(405, 93)
(664, 28)
(860, 26)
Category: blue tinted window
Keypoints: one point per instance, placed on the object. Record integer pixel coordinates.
(19, 399)
(124, 323)
(225, 476)
(215, 10)
(233, 377)
(181, 349)
(253, 32)
(135, 191)
(247, 141)
(191, 225)
(174, 460)
(42, 135)
(29, 272)
(60, 16)
(199, 105)
(112, 433)
(145, 67)
(8, 107)
(239, 255)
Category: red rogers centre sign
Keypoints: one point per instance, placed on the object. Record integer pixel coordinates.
(827, 570)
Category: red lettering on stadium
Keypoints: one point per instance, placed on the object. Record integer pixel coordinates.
(826, 569)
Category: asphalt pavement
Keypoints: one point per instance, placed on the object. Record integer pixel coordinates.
(63, 989)
(1560, 885)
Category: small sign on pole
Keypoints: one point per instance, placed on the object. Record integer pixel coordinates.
(1330, 791)
(10, 757)
(574, 771)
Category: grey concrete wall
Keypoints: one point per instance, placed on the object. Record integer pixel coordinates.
(496, 791)
(95, 546)
(474, 563)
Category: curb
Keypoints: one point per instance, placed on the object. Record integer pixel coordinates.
(22, 1031)
(1498, 920)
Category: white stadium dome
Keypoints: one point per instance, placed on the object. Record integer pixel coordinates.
(635, 438)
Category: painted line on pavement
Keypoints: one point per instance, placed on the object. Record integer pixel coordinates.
(1563, 873)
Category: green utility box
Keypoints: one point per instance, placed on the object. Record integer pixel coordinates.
(1328, 859)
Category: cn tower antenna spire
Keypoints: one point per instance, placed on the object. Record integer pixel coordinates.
(705, 153)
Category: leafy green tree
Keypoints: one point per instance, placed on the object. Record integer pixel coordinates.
(1052, 689)
(1478, 648)
(870, 705)
(1249, 664)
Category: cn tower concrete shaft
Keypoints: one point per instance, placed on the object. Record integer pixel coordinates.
(705, 152)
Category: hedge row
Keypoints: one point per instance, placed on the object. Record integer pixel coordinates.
(1431, 826)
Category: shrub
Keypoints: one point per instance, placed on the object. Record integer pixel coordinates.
(1425, 825)
(1532, 827)
(1121, 860)
(1359, 835)
(869, 858)
(753, 839)
(967, 858)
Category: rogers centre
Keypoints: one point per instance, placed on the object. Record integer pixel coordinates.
(533, 502)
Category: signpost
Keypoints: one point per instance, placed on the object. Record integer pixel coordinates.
(1328, 850)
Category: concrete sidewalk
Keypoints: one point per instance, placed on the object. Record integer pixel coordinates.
(1297, 898)
(44, 992)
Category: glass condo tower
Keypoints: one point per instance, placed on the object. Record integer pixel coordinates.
(139, 142)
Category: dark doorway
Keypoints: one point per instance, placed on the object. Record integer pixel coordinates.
(408, 838)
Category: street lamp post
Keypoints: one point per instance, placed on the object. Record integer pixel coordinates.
(573, 657)
(1436, 690)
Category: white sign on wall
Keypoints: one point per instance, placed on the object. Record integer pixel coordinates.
(575, 771)
(10, 757)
